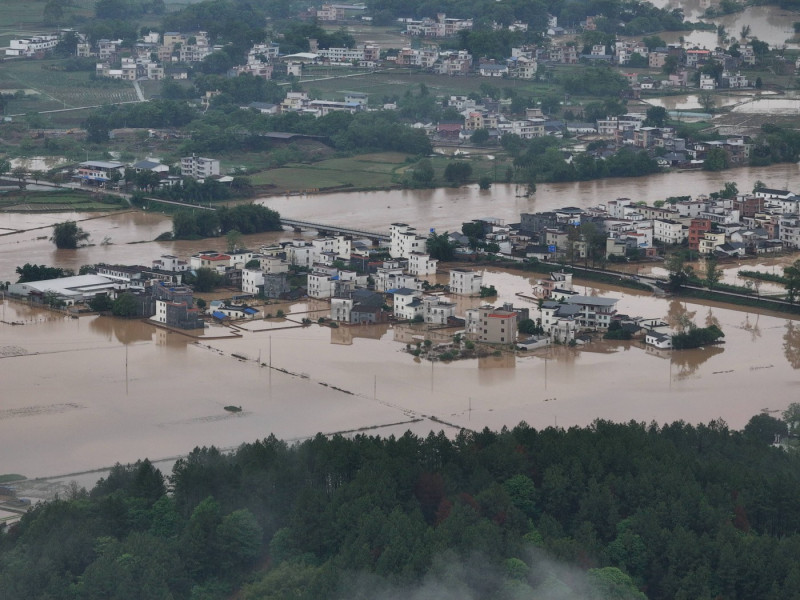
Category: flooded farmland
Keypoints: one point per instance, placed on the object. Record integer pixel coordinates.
(82, 394)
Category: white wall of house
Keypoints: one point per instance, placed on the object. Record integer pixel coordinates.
(320, 285)
(404, 240)
(403, 308)
(465, 283)
(251, 279)
(422, 264)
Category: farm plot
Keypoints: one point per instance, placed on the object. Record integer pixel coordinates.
(368, 171)
(396, 82)
(59, 89)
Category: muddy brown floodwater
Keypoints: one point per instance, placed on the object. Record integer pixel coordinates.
(82, 394)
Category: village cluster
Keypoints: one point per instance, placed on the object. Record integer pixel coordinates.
(393, 282)
(174, 55)
(171, 55)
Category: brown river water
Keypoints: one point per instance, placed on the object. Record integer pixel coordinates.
(82, 394)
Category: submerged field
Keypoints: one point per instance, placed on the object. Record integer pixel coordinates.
(58, 201)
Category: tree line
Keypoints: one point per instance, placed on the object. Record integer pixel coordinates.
(610, 510)
(244, 218)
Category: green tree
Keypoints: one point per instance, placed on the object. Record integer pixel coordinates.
(656, 116)
(232, 240)
(707, 101)
(97, 128)
(20, 173)
(125, 306)
(679, 272)
(53, 12)
(67, 235)
(440, 247)
(713, 273)
(206, 280)
(717, 159)
(792, 285)
(485, 182)
(791, 416)
(457, 173)
(480, 136)
(729, 190)
(423, 172)
(200, 540)
(100, 303)
(609, 583)
(240, 538)
(671, 64)
(764, 428)
(32, 272)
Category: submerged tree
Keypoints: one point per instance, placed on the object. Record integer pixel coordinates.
(66, 235)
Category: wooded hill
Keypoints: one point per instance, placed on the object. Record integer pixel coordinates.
(606, 511)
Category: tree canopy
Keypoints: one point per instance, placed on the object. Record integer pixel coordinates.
(606, 511)
(67, 235)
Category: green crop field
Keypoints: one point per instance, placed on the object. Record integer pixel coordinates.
(58, 89)
(55, 201)
(363, 171)
(396, 82)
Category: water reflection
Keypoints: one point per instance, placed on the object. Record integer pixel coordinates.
(752, 326)
(685, 363)
(124, 330)
(344, 335)
(679, 316)
(791, 344)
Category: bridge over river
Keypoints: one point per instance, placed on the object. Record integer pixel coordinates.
(327, 229)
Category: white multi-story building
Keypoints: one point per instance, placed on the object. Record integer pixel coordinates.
(168, 262)
(322, 282)
(404, 240)
(199, 167)
(669, 231)
(691, 208)
(436, 310)
(30, 46)
(273, 264)
(300, 253)
(295, 101)
(707, 82)
(251, 279)
(422, 264)
(210, 260)
(526, 129)
(407, 303)
(790, 232)
(339, 245)
(465, 283)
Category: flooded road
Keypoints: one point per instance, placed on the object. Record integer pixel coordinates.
(81, 394)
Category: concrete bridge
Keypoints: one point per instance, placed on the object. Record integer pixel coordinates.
(326, 229)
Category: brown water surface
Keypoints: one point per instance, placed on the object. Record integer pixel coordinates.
(79, 394)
